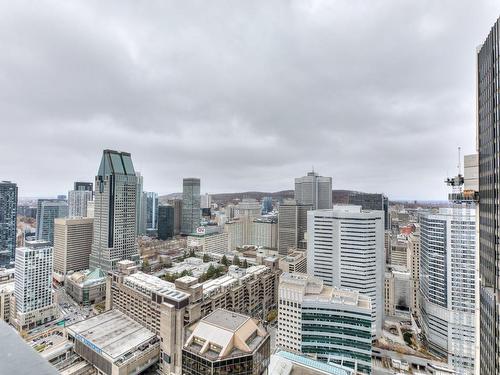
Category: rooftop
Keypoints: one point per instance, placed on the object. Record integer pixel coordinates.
(226, 319)
(149, 284)
(111, 333)
(284, 363)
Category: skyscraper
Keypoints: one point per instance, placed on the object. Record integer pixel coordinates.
(315, 190)
(47, 211)
(115, 212)
(371, 201)
(345, 248)
(151, 210)
(85, 186)
(292, 225)
(266, 205)
(447, 295)
(77, 202)
(8, 222)
(191, 210)
(177, 205)
(165, 222)
(140, 210)
(488, 125)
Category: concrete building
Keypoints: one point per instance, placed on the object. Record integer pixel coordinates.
(78, 200)
(165, 308)
(166, 222)
(414, 261)
(72, 245)
(287, 363)
(86, 287)
(235, 231)
(264, 232)
(295, 262)
(398, 255)
(6, 292)
(207, 242)
(191, 206)
(447, 295)
(345, 249)
(90, 209)
(8, 222)
(332, 324)
(177, 205)
(292, 226)
(314, 190)
(115, 212)
(226, 342)
(47, 211)
(115, 344)
(206, 201)
(398, 292)
(487, 139)
(33, 287)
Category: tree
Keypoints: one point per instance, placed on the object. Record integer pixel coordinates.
(206, 258)
(145, 264)
(192, 253)
(273, 314)
(224, 261)
(236, 261)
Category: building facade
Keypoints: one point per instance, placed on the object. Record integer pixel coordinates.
(177, 205)
(8, 222)
(314, 190)
(72, 245)
(345, 249)
(79, 198)
(292, 226)
(166, 222)
(371, 201)
(114, 216)
(151, 210)
(191, 205)
(47, 211)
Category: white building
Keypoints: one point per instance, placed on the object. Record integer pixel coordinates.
(265, 232)
(314, 190)
(448, 282)
(33, 286)
(213, 242)
(345, 249)
(77, 202)
(329, 323)
(398, 291)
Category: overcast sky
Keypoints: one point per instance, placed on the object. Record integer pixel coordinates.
(245, 95)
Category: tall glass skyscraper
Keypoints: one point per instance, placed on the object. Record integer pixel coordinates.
(8, 224)
(488, 128)
(47, 211)
(151, 210)
(191, 205)
(315, 190)
(114, 215)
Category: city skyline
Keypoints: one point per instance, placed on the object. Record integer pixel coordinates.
(149, 85)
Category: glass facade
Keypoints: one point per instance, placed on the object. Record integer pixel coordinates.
(8, 217)
(165, 222)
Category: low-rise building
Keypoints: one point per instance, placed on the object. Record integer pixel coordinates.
(115, 344)
(294, 262)
(397, 292)
(213, 242)
(6, 292)
(226, 342)
(86, 287)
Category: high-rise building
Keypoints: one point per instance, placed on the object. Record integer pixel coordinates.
(231, 343)
(314, 190)
(331, 324)
(488, 123)
(292, 225)
(140, 207)
(78, 201)
(206, 201)
(345, 248)
(85, 186)
(166, 218)
(191, 210)
(447, 295)
(115, 216)
(371, 201)
(8, 222)
(72, 245)
(266, 205)
(47, 211)
(177, 205)
(151, 210)
(264, 232)
(33, 286)
(414, 261)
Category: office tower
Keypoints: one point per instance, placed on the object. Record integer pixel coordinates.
(314, 190)
(331, 324)
(140, 207)
(266, 205)
(114, 217)
(209, 242)
(47, 211)
(447, 293)
(78, 202)
(191, 211)
(166, 218)
(206, 201)
(8, 222)
(247, 208)
(151, 211)
(231, 344)
(397, 292)
(371, 201)
(177, 205)
(345, 248)
(33, 286)
(264, 232)
(414, 262)
(90, 209)
(72, 245)
(85, 186)
(292, 225)
(240, 230)
(487, 138)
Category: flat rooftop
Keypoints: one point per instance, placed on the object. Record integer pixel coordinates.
(226, 319)
(151, 284)
(111, 333)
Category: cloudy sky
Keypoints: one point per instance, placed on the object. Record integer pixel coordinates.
(245, 95)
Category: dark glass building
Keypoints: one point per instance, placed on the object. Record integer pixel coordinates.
(88, 186)
(8, 222)
(191, 205)
(165, 222)
(488, 128)
(371, 201)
